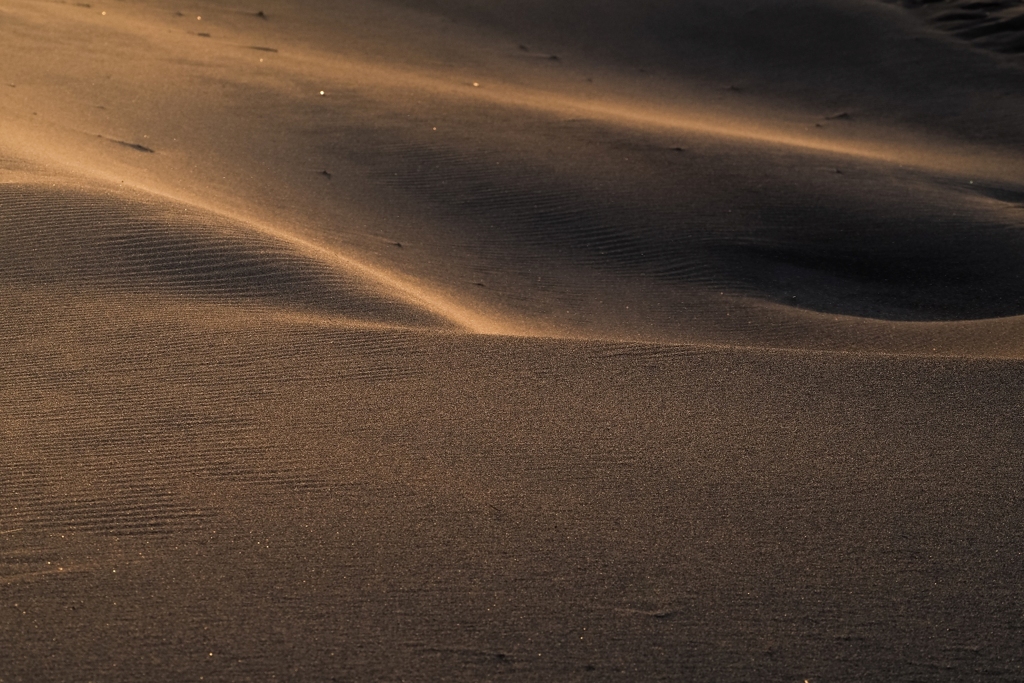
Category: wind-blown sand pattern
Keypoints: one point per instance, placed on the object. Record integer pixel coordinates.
(508, 339)
(992, 24)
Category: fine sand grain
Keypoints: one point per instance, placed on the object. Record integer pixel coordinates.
(511, 339)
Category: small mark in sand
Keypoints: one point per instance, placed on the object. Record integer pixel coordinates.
(839, 172)
(500, 656)
(11, 85)
(657, 614)
(841, 116)
(733, 88)
(203, 35)
(262, 49)
(480, 284)
(83, 4)
(134, 145)
(397, 244)
(524, 48)
(554, 58)
(326, 174)
(678, 149)
(260, 14)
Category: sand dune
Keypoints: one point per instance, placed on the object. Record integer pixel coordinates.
(453, 339)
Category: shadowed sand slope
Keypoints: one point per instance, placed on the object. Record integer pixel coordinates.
(511, 340)
(773, 224)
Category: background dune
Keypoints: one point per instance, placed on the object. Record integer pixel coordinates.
(453, 339)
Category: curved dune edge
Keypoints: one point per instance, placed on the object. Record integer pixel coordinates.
(201, 254)
(409, 305)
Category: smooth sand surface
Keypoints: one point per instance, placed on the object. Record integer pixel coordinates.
(511, 339)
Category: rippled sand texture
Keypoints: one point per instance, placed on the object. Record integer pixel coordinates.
(509, 339)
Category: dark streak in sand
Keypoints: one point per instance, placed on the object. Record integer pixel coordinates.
(466, 651)
(657, 614)
(134, 145)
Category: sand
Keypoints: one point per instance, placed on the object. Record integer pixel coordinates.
(508, 339)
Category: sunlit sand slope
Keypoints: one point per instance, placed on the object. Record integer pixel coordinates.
(91, 243)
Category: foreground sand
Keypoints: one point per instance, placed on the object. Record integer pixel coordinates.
(551, 341)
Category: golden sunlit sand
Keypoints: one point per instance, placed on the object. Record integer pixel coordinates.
(509, 339)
